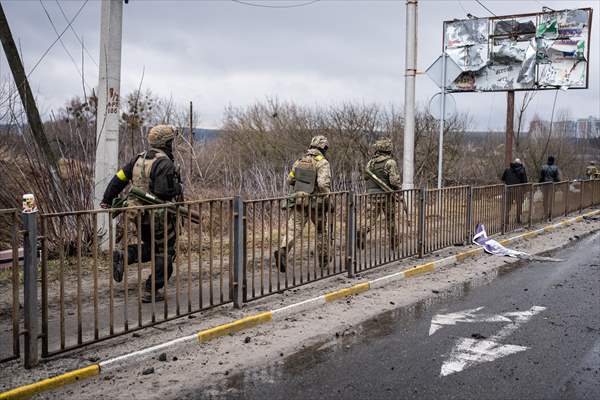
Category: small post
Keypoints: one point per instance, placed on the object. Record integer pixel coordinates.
(30, 262)
(238, 252)
(421, 225)
(552, 202)
(566, 194)
(510, 130)
(504, 209)
(469, 214)
(581, 186)
(530, 205)
(350, 233)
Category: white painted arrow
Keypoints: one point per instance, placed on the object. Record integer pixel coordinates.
(441, 320)
(468, 352)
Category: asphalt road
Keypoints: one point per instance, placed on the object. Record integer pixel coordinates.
(533, 332)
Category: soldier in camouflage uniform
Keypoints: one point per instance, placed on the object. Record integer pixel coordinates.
(310, 175)
(385, 168)
(154, 172)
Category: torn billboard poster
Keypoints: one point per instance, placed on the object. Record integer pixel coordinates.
(491, 246)
(520, 52)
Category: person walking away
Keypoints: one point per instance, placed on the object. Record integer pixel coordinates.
(310, 176)
(549, 173)
(382, 176)
(515, 175)
(154, 172)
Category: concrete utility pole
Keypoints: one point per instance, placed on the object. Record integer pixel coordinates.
(409, 95)
(27, 99)
(109, 86)
(510, 127)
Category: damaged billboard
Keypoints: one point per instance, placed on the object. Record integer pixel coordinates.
(546, 50)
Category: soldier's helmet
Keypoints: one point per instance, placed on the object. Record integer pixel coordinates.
(319, 142)
(160, 135)
(383, 145)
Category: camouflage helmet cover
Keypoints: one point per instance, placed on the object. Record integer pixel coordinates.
(319, 142)
(383, 145)
(160, 135)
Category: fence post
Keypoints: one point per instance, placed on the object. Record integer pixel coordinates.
(566, 197)
(238, 252)
(552, 200)
(421, 224)
(469, 214)
(531, 208)
(30, 303)
(581, 186)
(350, 233)
(504, 209)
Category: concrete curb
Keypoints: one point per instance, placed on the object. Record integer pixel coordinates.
(273, 315)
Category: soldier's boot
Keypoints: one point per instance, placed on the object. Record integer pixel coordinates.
(118, 266)
(361, 239)
(280, 258)
(147, 297)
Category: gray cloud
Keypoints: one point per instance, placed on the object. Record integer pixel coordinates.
(218, 52)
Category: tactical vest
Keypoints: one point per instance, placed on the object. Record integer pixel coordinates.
(142, 168)
(305, 173)
(141, 179)
(377, 168)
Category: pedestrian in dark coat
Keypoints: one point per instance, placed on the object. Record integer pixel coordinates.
(515, 175)
(549, 173)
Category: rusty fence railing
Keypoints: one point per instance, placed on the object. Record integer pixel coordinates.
(487, 207)
(10, 289)
(220, 251)
(291, 243)
(81, 301)
(386, 228)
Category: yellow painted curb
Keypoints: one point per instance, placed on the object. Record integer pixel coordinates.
(27, 391)
(471, 253)
(420, 269)
(339, 294)
(248, 322)
(529, 235)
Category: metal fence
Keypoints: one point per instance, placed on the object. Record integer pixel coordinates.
(81, 303)
(234, 251)
(10, 286)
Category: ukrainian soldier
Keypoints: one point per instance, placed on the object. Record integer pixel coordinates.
(592, 171)
(310, 175)
(153, 172)
(382, 176)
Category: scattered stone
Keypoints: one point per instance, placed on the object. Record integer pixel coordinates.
(191, 316)
(435, 291)
(226, 373)
(525, 289)
(478, 336)
(93, 358)
(220, 362)
(107, 378)
(135, 334)
(392, 303)
(162, 357)
(148, 371)
(337, 334)
(280, 354)
(247, 339)
(175, 358)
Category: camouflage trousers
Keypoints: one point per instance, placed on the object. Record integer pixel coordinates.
(370, 221)
(299, 217)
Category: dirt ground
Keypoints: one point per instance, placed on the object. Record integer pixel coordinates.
(212, 361)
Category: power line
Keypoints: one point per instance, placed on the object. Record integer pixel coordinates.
(79, 71)
(75, 33)
(463, 7)
(246, 3)
(57, 39)
(487, 9)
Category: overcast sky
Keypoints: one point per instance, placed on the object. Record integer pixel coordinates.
(220, 52)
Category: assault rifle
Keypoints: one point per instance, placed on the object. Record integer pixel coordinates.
(150, 199)
(388, 189)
